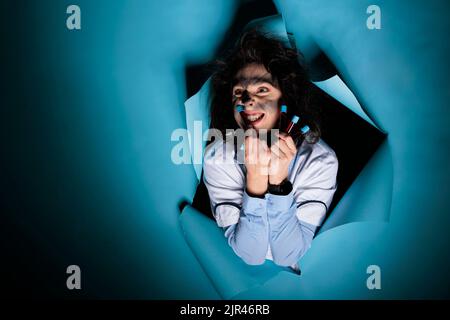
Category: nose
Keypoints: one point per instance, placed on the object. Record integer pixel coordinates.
(246, 99)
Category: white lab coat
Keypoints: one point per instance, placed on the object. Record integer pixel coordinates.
(312, 173)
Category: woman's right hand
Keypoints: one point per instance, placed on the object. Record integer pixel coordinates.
(257, 160)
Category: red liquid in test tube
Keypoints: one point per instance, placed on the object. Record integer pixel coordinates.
(291, 124)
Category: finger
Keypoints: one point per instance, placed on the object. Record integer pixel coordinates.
(254, 150)
(266, 150)
(284, 147)
(275, 149)
(281, 144)
(291, 144)
(252, 141)
(249, 150)
(247, 145)
(282, 135)
(288, 139)
(263, 144)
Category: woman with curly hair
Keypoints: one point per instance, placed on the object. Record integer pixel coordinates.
(272, 202)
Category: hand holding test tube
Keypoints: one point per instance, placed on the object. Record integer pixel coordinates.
(295, 119)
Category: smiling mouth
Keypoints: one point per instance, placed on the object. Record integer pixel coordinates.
(253, 118)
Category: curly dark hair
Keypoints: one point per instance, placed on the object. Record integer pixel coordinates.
(285, 67)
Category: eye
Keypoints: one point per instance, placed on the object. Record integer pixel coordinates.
(237, 92)
(263, 90)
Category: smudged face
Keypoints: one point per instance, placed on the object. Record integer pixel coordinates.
(257, 91)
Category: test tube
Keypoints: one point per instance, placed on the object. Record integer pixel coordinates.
(305, 129)
(291, 124)
(283, 111)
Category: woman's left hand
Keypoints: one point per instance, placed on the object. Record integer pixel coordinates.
(281, 154)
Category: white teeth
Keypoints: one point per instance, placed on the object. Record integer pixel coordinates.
(254, 117)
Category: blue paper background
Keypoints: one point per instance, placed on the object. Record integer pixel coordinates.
(87, 177)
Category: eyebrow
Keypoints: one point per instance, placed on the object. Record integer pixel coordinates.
(253, 80)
